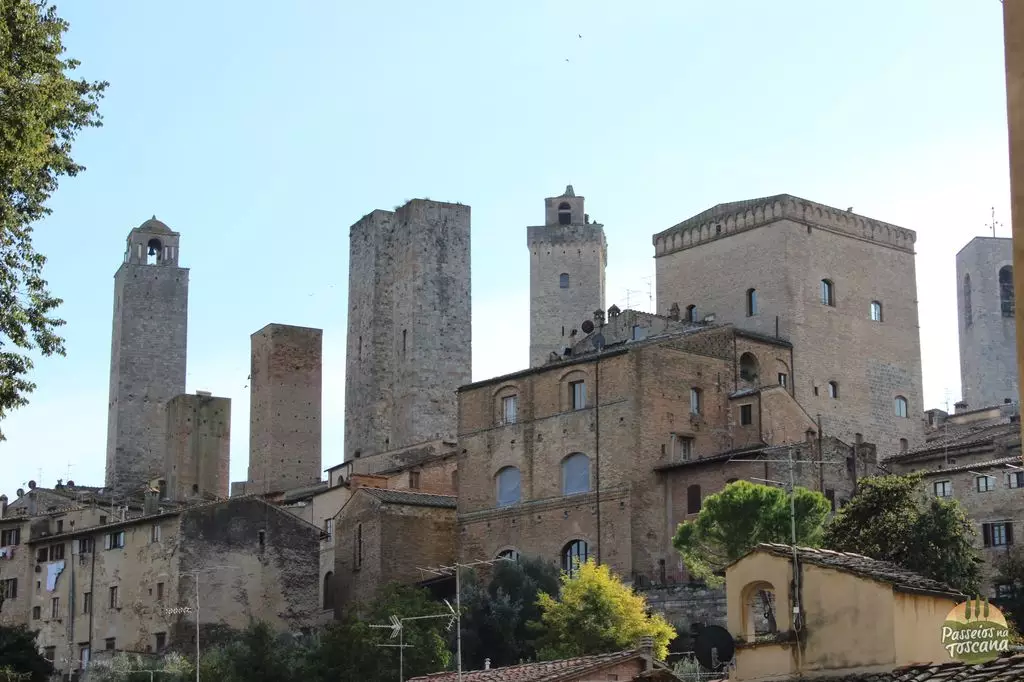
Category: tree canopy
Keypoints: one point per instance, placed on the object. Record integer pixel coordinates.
(19, 656)
(743, 514)
(892, 519)
(598, 613)
(43, 111)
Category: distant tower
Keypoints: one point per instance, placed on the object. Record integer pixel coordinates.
(409, 326)
(147, 358)
(988, 333)
(568, 255)
(198, 446)
(285, 408)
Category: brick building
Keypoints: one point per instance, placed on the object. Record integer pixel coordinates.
(568, 255)
(409, 329)
(590, 455)
(988, 328)
(838, 286)
(198, 450)
(147, 357)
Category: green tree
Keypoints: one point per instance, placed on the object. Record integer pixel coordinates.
(257, 654)
(743, 514)
(892, 519)
(19, 657)
(498, 619)
(43, 110)
(128, 667)
(1009, 572)
(598, 613)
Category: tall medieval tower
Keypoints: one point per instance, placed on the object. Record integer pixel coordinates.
(988, 331)
(147, 356)
(409, 326)
(568, 255)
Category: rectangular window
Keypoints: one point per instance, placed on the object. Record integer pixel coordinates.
(87, 602)
(161, 641)
(414, 480)
(103, 520)
(578, 394)
(114, 540)
(509, 409)
(985, 483)
(639, 333)
(9, 588)
(942, 488)
(746, 415)
(86, 545)
(113, 597)
(109, 643)
(10, 537)
(41, 555)
(154, 533)
(1004, 591)
(159, 591)
(329, 529)
(60, 525)
(1015, 479)
(83, 655)
(998, 534)
(783, 379)
(55, 607)
(56, 552)
(37, 613)
(695, 405)
(682, 448)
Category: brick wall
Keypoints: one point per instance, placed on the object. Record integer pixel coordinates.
(198, 451)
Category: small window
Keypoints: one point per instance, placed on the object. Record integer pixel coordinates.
(942, 488)
(509, 555)
(682, 448)
(563, 280)
(998, 534)
(904, 445)
(261, 537)
(56, 552)
(414, 480)
(833, 390)
(329, 523)
(578, 394)
(154, 533)
(109, 643)
(114, 540)
(693, 499)
(691, 313)
(103, 520)
(968, 317)
(161, 641)
(828, 294)
(86, 602)
(508, 486)
(60, 525)
(876, 311)
(1006, 301)
(113, 601)
(575, 474)
(984, 484)
(783, 379)
(55, 607)
(1015, 479)
(564, 214)
(9, 588)
(695, 401)
(37, 613)
(86, 545)
(159, 591)
(900, 405)
(748, 367)
(573, 554)
(751, 302)
(510, 409)
(746, 415)
(10, 537)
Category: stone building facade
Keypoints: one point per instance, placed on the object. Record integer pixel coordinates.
(587, 456)
(568, 255)
(285, 409)
(988, 328)
(198, 451)
(839, 286)
(147, 357)
(409, 326)
(107, 585)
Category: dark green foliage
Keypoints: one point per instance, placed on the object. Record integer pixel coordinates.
(42, 111)
(19, 655)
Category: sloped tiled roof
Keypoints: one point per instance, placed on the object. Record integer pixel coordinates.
(962, 437)
(546, 671)
(858, 564)
(1008, 667)
(977, 466)
(414, 499)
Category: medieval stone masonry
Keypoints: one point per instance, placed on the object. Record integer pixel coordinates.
(198, 450)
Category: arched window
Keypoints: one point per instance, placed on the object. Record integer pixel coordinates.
(1006, 302)
(573, 554)
(509, 554)
(328, 590)
(155, 251)
(876, 311)
(693, 499)
(563, 280)
(575, 474)
(968, 317)
(833, 390)
(828, 292)
(751, 302)
(748, 367)
(901, 406)
(695, 401)
(564, 214)
(508, 486)
(691, 313)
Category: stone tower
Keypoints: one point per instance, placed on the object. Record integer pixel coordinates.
(147, 358)
(837, 285)
(409, 326)
(285, 408)
(198, 452)
(568, 255)
(988, 333)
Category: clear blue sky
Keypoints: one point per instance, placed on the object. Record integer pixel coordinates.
(262, 131)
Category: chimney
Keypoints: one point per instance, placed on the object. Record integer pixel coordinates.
(32, 500)
(646, 649)
(487, 664)
(3, 506)
(598, 318)
(960, 407)
(152, 502)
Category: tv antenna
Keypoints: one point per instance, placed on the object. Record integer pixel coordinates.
(992, 226)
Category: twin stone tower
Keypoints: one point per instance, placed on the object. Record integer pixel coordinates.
(408, 350)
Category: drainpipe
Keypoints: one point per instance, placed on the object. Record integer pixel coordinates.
(597, 448)
(821, 459)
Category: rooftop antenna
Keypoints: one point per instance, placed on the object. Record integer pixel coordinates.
(994, 223)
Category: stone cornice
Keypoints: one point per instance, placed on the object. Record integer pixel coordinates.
(547, 504)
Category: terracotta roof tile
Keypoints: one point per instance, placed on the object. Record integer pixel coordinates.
(1008, 667)
(412, 498)
(546, 671)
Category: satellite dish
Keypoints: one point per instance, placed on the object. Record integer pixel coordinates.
(587, 326)
(714, 647)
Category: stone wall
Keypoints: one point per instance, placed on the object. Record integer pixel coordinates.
(988, 338)
(285, 408)
(409, 326)
(686, 604)
(148, 353)
(198, 452)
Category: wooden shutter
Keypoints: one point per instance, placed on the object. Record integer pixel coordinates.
(986, 534)
(1009, 532)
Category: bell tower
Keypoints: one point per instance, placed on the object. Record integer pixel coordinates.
(147, 356)
(568, 255)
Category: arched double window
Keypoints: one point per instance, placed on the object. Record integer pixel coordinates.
(575, 474)
(507, 483)
(1006, 302)
(573, 555)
